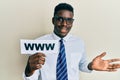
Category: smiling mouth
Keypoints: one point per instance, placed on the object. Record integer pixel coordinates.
(64, 30)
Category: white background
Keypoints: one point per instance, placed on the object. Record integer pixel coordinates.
(97, 22)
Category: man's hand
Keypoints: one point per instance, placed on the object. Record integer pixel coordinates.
(99, 64)
(34, 62)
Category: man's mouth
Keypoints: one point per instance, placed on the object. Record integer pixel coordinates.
(64, 30)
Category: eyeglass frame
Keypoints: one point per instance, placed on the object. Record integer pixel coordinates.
(69, 21)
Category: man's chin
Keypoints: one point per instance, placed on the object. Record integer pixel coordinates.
(63, 34)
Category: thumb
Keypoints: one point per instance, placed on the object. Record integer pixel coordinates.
(102, 55)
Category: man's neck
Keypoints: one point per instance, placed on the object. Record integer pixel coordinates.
(59, 35)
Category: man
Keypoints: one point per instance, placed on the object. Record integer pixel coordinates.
(43, 66)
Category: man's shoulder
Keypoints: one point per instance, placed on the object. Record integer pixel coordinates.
(75, 38)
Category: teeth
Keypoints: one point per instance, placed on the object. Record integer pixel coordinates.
(63, 29)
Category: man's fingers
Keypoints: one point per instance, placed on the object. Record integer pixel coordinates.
(111, 70)
(41, 54)
(114, 66)
(41, 61)
(113, 60)
(37, 59)
(36, 55)
(38, 66)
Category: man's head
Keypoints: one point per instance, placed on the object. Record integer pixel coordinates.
(63, 19)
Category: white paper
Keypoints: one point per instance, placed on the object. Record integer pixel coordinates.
(34, 46)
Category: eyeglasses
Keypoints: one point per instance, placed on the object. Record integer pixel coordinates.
(62, 19)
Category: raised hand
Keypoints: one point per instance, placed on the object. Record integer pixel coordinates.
(99, 64)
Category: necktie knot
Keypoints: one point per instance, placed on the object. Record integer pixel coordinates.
(61, 40)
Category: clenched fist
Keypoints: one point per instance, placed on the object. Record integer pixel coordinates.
(35, 62)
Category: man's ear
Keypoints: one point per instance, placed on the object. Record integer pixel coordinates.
(53, 20)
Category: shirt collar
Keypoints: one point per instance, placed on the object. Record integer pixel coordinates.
(58, 38)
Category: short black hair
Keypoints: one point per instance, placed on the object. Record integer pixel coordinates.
(63, 6)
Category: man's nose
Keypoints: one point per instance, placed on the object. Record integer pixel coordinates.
(64, 22)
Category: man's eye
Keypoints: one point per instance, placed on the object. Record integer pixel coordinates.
(69, 19)
(60, 19)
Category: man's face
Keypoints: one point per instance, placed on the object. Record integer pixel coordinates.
(63, 21)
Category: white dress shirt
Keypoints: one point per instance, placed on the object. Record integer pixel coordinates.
(75, 57)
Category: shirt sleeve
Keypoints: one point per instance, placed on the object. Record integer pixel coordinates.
(83, 64)
(35, 76)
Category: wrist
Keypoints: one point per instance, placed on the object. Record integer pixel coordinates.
(28, 70)
(27, 74)
(90, 66)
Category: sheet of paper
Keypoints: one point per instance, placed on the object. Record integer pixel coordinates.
(34, 46)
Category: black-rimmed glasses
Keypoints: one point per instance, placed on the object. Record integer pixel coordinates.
(62, 19)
